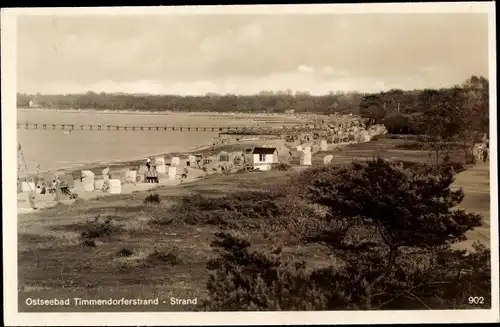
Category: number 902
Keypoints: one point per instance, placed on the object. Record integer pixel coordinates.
(476, 300)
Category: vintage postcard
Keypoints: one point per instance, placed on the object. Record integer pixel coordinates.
(228, 165)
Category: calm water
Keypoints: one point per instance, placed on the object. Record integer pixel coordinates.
(56, 149)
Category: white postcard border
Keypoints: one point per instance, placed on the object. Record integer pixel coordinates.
(8, 84)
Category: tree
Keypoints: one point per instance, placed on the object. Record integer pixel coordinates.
(398, 124)
(372, 107)
(442, 120)
(475, 112)
(396, 210)
(395, 98)
(390, 231)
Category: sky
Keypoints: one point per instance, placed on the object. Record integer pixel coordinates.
(247, 54)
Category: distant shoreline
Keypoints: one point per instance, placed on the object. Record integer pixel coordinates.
(170, 112)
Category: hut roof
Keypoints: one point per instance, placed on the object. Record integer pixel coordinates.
(259, 150)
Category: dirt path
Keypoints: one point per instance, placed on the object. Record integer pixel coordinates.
(475, 183)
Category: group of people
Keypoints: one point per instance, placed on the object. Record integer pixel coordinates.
(151, 176)
(43, 188)
(52, 188)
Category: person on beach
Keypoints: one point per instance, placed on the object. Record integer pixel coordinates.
(485, 153)
(155, 178)
(148, 164)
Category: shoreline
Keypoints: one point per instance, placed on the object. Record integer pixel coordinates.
(128, 162)
(44, 203)
(118, 162)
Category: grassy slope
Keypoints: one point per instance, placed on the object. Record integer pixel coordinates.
(52, 261)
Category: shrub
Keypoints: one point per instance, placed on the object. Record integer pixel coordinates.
(200, 210)
(399, 124)
(152, 199)
(160, 257)
(242, 279)
(89, 242)
(98, 228)
(125, 252)
(280, 166)
(160, 215)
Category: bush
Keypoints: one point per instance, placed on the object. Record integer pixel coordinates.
(281, 207)
(159, 257)
(242, 280)
(280, 166)
(399, 124)
(89, 242)
(201, 210)
(125, 252)
(152, 199)
(97, 228)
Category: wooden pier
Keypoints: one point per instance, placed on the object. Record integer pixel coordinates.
(138, 128)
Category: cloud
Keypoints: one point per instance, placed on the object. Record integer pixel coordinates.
(230, 43)
(305, 69)
(294, 80)
(249, 52)
(330, 71)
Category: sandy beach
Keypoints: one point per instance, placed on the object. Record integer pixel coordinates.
(43, 201)
(88, 151)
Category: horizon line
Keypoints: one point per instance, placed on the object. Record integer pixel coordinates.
(261, 93)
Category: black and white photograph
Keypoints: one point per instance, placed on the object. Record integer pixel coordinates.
(278, 164)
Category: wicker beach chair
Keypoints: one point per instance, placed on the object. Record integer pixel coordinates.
(151, 176)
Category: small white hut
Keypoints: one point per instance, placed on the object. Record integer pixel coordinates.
(263, 158)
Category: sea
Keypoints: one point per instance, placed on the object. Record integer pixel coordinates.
(49, 150)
